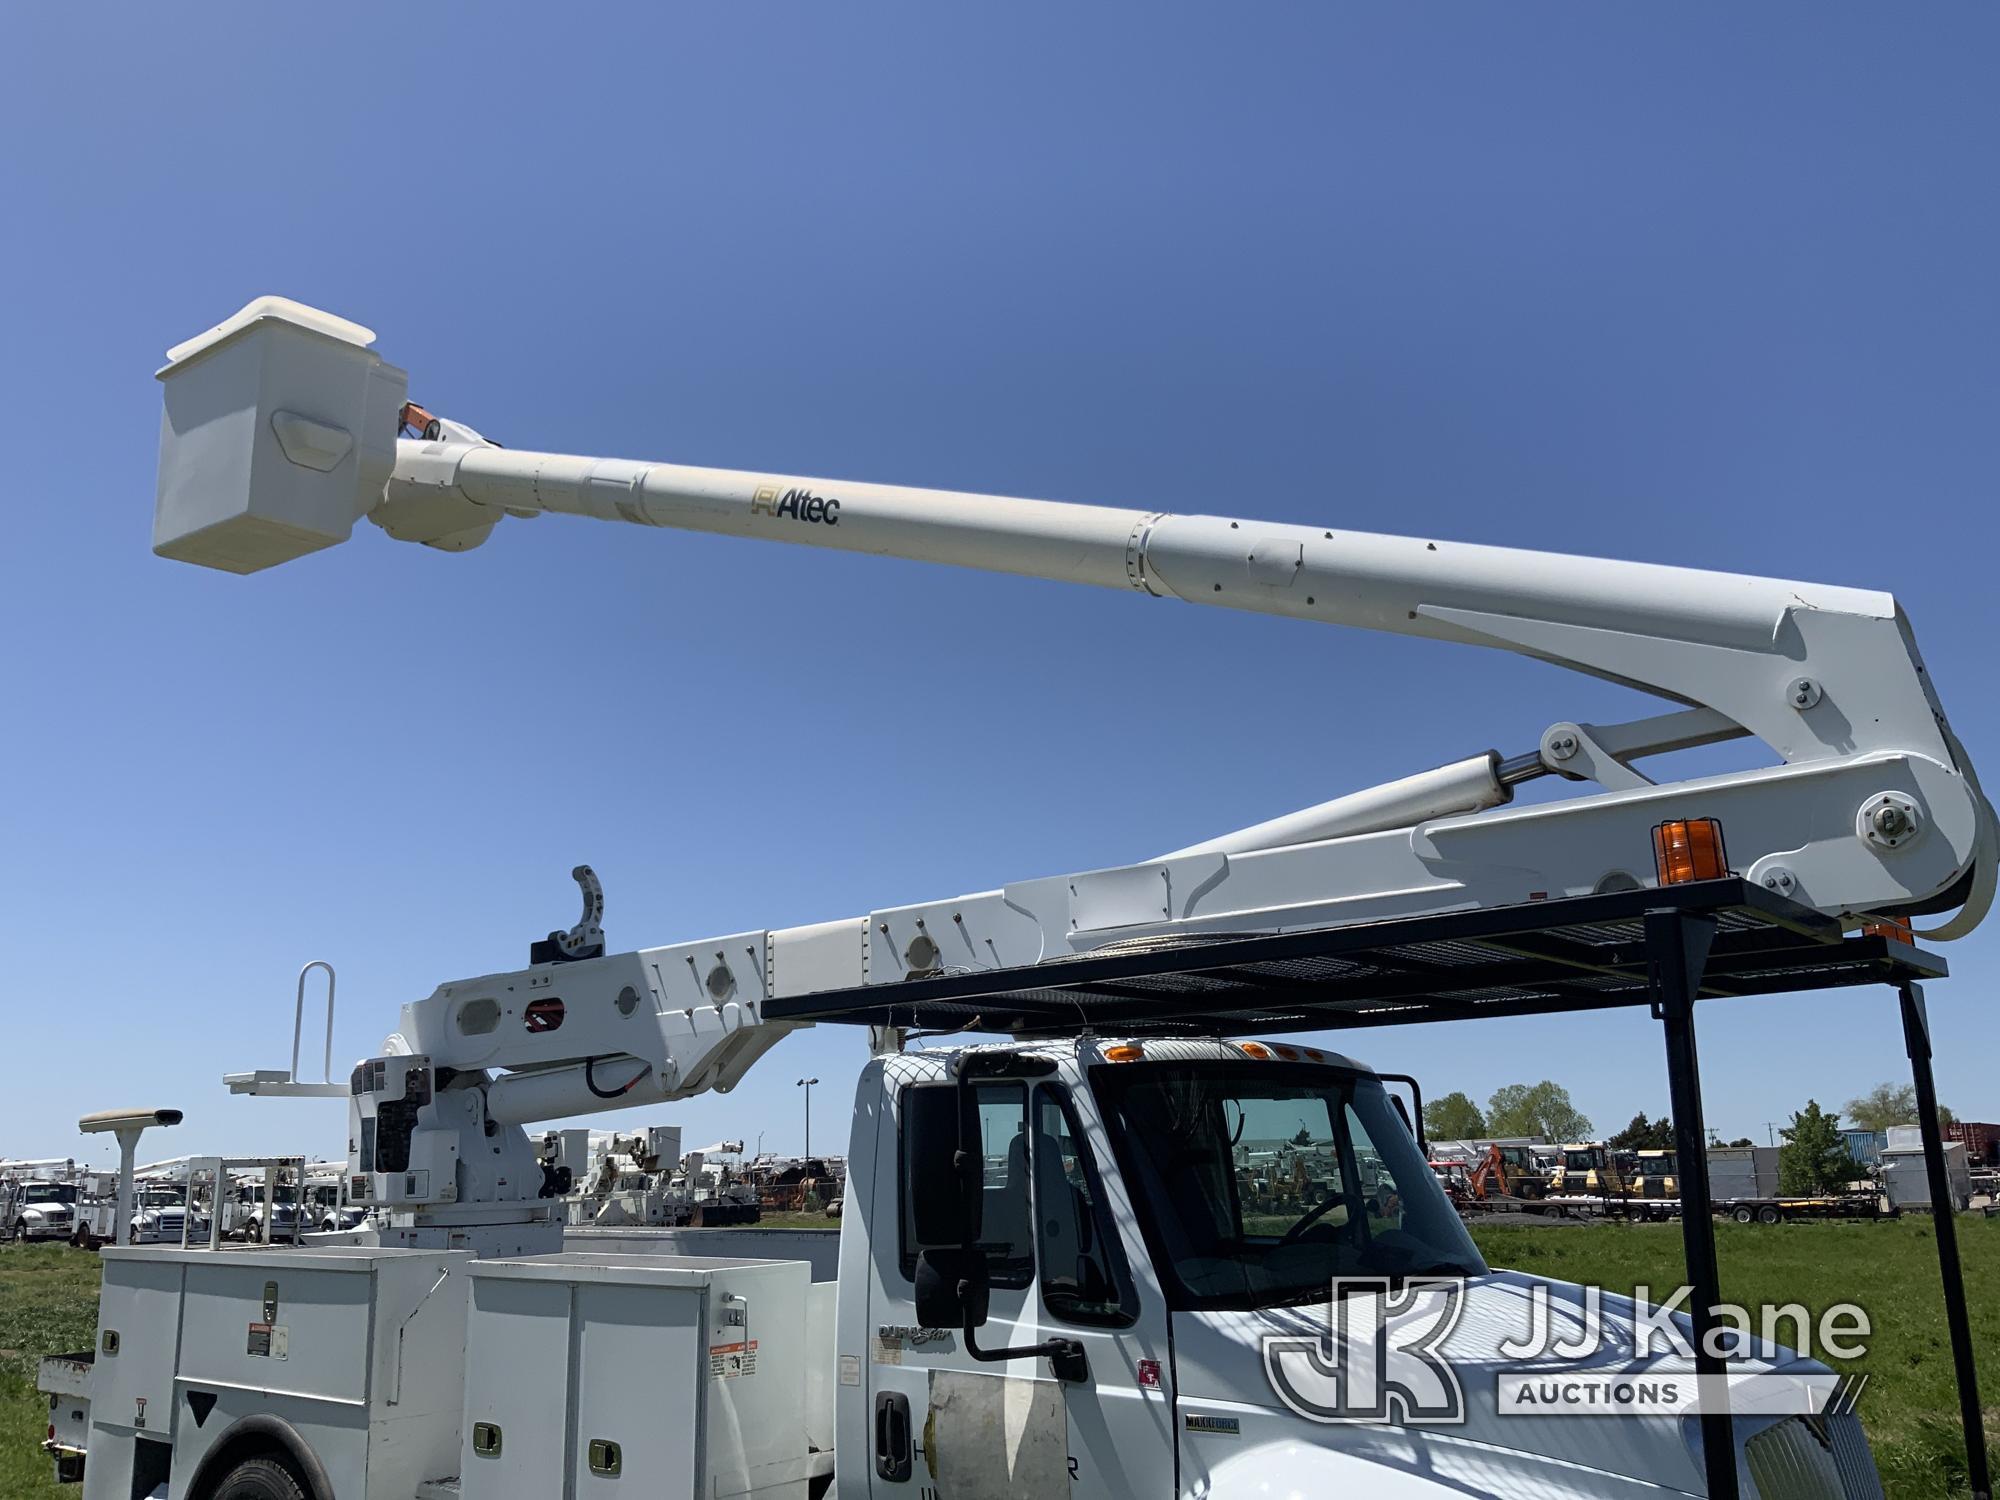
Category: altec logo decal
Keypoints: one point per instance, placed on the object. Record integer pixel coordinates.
(800, 505)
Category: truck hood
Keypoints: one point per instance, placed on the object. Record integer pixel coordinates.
(1232, 1416)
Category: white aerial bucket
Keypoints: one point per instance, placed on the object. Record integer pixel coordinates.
(279, 434)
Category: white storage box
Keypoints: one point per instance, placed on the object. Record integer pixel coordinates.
(1906, 1177)
(279, 434)
(360, 1350)
(604, 1377)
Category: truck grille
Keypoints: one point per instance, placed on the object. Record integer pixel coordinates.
(1813, 1458)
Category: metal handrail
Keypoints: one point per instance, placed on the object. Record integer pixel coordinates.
(299, 1020)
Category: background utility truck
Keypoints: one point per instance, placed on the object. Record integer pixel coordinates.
(1049, 1278)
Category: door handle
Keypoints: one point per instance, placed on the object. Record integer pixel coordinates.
(892, 1436)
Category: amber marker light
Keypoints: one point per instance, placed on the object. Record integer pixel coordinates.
(1689, 849)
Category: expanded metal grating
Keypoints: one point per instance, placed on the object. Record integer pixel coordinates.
(1578, 953)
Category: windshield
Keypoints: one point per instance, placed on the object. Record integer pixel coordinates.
(1261, 1183)
(50, 1192)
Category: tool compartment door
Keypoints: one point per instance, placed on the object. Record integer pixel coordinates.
(638, 1350)
(517, 1372)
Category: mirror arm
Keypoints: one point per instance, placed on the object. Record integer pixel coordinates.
(1417, 1098)
(1065, 1356)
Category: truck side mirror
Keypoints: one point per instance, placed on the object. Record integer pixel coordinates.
(952, 1288)
(943, 1184)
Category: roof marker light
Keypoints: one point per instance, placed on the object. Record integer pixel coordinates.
(1125, 1052)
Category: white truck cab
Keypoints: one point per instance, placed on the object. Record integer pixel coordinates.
(1159, 1219)
(42, 1210)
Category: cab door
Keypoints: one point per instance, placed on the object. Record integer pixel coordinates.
(1060, 1245)
(1094, 1284)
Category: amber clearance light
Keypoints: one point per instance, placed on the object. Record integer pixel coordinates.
(1689, 849)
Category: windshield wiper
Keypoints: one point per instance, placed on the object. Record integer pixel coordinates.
(1290, 1297)
(1319, 1291)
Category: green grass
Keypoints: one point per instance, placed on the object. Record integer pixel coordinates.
(795, 1221)
(48, 1304)
(1910, 1406)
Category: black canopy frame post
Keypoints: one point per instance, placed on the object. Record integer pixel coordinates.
(1677, 949)
(1917, 1042)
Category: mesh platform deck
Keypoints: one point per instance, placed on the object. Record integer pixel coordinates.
(1578, 953)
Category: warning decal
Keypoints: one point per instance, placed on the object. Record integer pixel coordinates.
(727, 1361)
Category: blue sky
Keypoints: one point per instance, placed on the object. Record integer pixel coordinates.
(1696, 285)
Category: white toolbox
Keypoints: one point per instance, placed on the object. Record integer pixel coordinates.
(359, 1351)
(610, 1377)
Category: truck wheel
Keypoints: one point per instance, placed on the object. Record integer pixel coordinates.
(260, 1479)
(1768, 1214)
(1743, 1216)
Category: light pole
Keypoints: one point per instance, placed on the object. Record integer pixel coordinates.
(807, 1085)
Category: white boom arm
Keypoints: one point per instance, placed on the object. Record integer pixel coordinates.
(282, 429)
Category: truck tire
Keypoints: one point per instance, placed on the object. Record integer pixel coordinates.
(1768, 1214)
(1743, 1215)
(260, 1479)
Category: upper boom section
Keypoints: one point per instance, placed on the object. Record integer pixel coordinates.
(281, 430)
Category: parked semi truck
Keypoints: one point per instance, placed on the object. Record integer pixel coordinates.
(1050, 1277)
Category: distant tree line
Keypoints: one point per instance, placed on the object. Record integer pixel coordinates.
(1516, 1109)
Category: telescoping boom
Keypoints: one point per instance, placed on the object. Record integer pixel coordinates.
(282, 429)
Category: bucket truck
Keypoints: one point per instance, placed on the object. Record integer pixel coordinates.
(1047, 1281)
